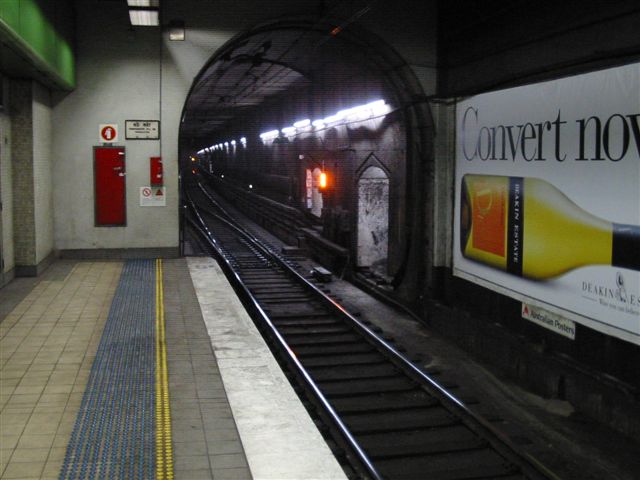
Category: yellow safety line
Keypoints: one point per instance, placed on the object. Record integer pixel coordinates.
(164, 451)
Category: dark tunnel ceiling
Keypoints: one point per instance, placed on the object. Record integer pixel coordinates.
(261, 67)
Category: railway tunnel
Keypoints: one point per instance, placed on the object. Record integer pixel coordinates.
(324, 239)
(281, 105)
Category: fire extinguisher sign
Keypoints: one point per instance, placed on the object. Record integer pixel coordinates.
(108, 132)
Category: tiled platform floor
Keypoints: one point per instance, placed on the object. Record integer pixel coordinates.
(205, 439)
(50, 329)
(47, 345)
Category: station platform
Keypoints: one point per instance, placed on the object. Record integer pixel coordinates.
(145, 369)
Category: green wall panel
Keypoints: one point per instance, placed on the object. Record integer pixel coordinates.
(26, 24)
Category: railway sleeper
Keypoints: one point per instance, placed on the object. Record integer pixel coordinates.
(475, 464)
(379, 444)
(263, 273)
(277, 288)
(308, 310)
(337, 389)
(397, 420)
(345, 359)
(303, 351)
(324, 339)
(281, 292)
(282, 298)
(426, 448)
(384, 402)
(306, 329)
(310, 321)
(351, 372)
(272, 286)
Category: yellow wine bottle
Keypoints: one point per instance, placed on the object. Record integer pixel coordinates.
(529, 228)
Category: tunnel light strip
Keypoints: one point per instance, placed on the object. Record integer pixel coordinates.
(363, 112)
(270, 134)
(224, 146)
(302, 123)
(358, 113)
(354, 114)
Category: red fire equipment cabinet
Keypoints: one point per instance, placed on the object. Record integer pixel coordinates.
(156, 177)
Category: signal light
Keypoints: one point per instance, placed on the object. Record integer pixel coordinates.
(323, 182)
(193, 170)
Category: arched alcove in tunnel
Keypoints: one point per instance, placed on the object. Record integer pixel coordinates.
(373, 220)
(286, 71)
(314, 196)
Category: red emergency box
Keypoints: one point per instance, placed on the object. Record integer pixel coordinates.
(155, 174)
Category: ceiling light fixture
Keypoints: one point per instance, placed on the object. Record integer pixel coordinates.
(144, 13)
(176, 30)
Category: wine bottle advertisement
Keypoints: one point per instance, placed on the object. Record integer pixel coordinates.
(547, 196)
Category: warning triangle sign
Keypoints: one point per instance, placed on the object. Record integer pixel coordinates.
(159, 192)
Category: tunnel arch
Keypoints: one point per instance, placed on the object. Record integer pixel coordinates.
(411, 114)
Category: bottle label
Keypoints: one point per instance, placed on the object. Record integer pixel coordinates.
(515, 226)
(489, 199)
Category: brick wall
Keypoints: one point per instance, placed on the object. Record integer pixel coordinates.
(30, 113)
(23, 192)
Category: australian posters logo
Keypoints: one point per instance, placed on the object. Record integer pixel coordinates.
(549, 320)
(614, 295)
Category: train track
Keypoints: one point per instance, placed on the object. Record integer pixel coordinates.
(391, 420)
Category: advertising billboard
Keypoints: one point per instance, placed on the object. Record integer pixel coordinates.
(547, 196)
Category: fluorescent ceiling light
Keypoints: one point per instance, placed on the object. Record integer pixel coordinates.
(143, 3)
(144, 18)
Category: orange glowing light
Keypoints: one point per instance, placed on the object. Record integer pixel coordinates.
(323, 180)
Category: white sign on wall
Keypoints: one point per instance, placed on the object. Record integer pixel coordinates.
(153, 197)
(142, 129)
(547, 196)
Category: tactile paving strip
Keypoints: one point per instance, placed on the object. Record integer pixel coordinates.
(115, 432)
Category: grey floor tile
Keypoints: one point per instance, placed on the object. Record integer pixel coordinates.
(196, 388)
(233, 460)
(189, 474)
(232, 474)
(192, 462)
